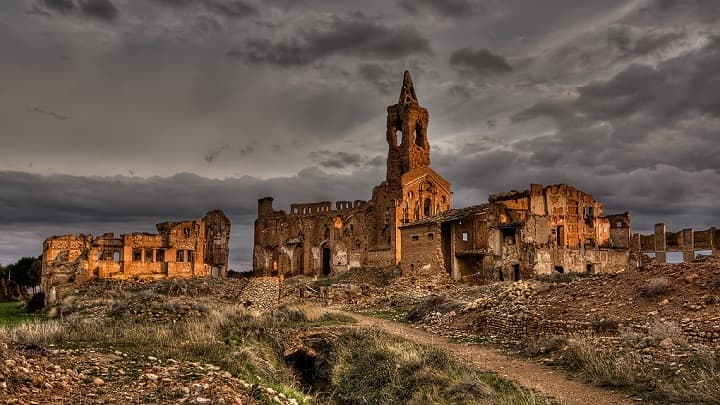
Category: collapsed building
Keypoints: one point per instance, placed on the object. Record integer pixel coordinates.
(520, 234)
(195, 248)
(409, 221)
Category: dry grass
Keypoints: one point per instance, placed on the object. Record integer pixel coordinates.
(361, 366)
(374, 367)
(655, 287)
(698, 381)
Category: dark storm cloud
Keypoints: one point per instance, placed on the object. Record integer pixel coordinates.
(380, 78)
(62, 6)
(102, 9)
(232, 9)
(228, 8)
(446, 8)
(468, 60)
(638, 43)
(344, 160)
(351, 35)
(214, 154)
(84, 204)
(642, 117)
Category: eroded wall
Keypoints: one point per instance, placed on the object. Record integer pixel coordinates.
(178, 250)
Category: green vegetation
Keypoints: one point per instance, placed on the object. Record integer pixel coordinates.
(13, 313)
(374, 367)
(15, 277)
(332, 364)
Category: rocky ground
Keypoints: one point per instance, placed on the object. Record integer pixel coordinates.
(66, 359)
(35, 375)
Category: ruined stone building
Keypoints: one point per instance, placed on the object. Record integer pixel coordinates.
(408, 221)
(689, 242)
(520, 234)
(318, 238)
(185, 249)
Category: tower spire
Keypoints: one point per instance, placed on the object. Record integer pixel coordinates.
(407, 93)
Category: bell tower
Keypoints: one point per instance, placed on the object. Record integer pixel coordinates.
(407, 138)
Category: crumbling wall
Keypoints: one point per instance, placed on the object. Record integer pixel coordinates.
(358, 233)
(177, 251)
(687, 241)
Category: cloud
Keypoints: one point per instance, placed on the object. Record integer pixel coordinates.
(102, 9)
(38, 110)
(345, 160)
(229, 8)
(481, 61)
(445, 8)
(351, 35)
(380, 78)
(214, 154)
(61, 6)
(72, 204)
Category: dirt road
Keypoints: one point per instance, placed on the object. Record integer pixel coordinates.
(528, 374)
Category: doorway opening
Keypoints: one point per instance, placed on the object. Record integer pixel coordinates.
(516, 272)
(326, 261)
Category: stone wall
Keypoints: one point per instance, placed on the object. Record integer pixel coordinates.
(687, 241)
(422, 252)
(319, 239)
(178, 250)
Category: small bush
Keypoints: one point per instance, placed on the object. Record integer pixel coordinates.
(662, 330)
(543, 345)
(36, 303)
(604, 325)
(656, 287)
(604, 368)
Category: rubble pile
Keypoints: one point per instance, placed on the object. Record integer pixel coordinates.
(601, 304)
(31, 374)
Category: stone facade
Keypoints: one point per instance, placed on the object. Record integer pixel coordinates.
(180, 250)
(322, 239)
(518, 235)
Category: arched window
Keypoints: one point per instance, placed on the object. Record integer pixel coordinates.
(419, 141)
(427, 207)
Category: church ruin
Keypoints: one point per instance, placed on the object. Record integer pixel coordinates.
(317, 238)
(195, 248)
(409, 221)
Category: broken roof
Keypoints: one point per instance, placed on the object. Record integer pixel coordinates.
(451, 215)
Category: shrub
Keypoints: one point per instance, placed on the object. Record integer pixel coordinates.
(604, 325)
(36, 303)
(543, 345)
(656, 287)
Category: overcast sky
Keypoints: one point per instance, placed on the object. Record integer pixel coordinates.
(117, 114)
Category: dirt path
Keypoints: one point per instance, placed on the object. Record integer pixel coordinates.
(526, 373)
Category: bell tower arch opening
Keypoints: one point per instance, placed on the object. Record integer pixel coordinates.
(407, 124)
